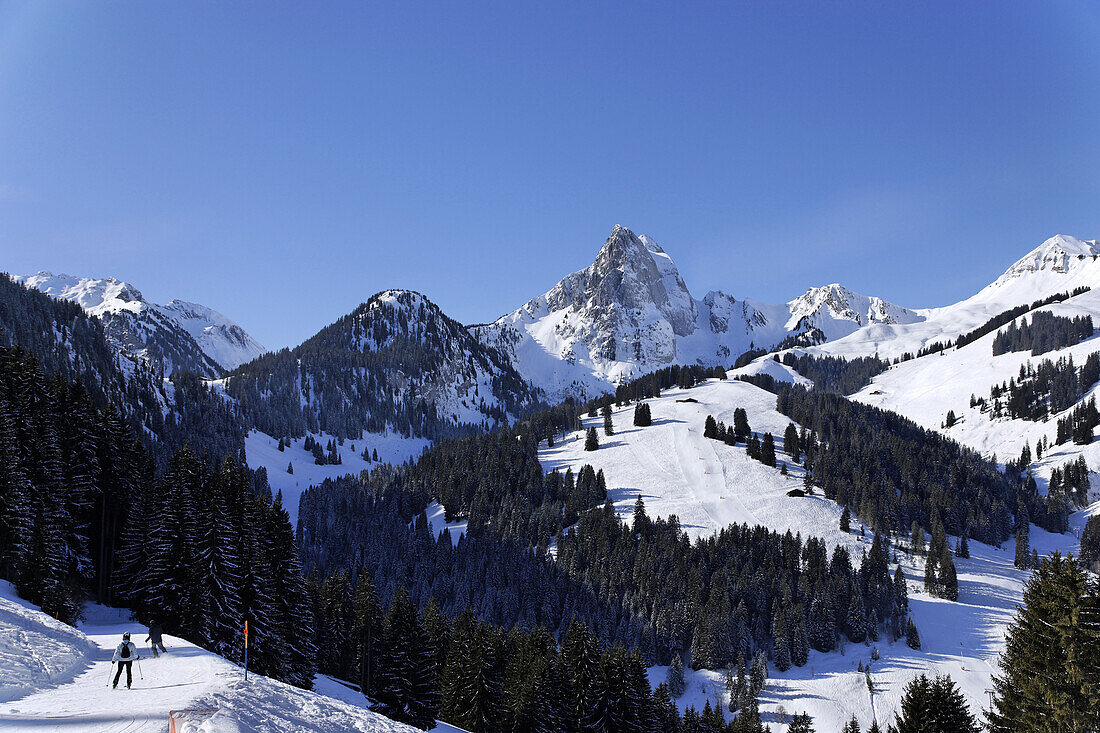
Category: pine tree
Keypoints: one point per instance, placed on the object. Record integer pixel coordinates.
(666, 713)
(1050, 669)
(591, 440)
(1023, 548)
(790, 442)
(402, 695)
(608, 427)
(856, 623)
(801, 724)
(947, 580)
(710, 428)
(963, 548)
(781, 643)
(934, 706)
(367, 630)
(675, 678)
(846, 520)
(640, 523)
(912, 637)
(741, 427)
(767, 450)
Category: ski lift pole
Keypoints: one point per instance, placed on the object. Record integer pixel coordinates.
(246, 650)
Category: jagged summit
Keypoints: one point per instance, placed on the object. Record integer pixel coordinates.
(177, 336)
(631, 312)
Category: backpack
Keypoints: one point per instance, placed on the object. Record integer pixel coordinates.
(124, 652)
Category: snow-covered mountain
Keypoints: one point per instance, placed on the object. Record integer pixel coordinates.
(395, 363)
(176, 336)
(631, 312)
(1060, 264)
(835, 311)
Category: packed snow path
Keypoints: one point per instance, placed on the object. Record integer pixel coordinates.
(56, 678)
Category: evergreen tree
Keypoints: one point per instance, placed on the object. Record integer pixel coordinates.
(801, 724)
(856, 623)
(947, 580)
(791, 444)
(641, 522)
(1023, 548)
(782, 643)
(591, 440)
(912, 637)
(934, 706)
(608, 427)
(1050, 669)
(963, 548)
(710, 428)
(675, 678)
(846, 520)
(767, 450)
(367, 632)
(741, 429)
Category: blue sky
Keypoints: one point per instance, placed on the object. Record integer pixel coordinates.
(281, 162)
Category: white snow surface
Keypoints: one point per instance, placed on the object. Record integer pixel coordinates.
(437, 518)
(263, 450)
(218, 338)
(62, 683)
(708, 485)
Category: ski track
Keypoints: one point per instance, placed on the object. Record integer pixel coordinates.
(78, 697)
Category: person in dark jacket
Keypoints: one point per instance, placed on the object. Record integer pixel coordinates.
(125, 654)
(156, 636)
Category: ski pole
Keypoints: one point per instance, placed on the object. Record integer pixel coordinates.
(140, 675)
(109, 670)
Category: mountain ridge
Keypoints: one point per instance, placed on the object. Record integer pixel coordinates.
(178, 335)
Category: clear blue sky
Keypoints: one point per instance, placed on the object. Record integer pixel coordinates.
(281, 162)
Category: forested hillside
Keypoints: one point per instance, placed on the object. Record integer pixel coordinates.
(164, 413)
(396, 362)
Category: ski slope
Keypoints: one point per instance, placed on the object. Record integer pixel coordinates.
(55, 678)
(708, 485)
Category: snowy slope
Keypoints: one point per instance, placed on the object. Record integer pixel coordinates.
(261, 450)
(69, 690)
(178, 335)
(630, 312)
(708, 484)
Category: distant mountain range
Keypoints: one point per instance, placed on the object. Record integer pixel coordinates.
(398, 362)
(177, 336)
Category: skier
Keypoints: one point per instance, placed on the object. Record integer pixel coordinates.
(125, 654)
(156, 637)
